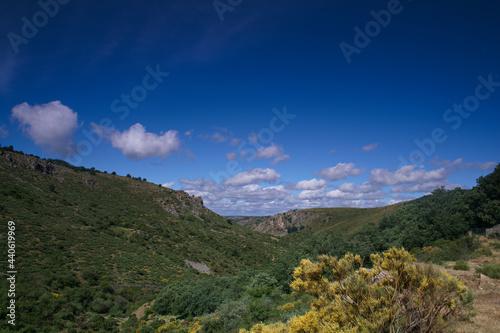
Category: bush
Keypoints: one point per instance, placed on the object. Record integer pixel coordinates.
(461, 266)
(490, 270)
(495, 245)
(484, 251)
(397, 295)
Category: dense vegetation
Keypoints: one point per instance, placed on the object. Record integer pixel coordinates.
(77, 230)
(395, 296)
(85, 240)
(435, 227)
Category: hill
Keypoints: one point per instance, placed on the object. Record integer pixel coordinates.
(342, 220)
(77, 227)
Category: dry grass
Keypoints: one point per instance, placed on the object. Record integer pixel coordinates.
(487, 300)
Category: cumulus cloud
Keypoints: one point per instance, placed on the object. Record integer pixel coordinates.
(253, 176)
(169, 184)
(460, 164)
(311, 194)
(370, 147)
(235, 197)
(418, 188)
(340, 171)
(313, 184)
(135, 143)
(272, 152)
(477, 166)
(407, 174)
(362, 188)
(50, 126)
(217, 137)
(220, 135)
(338, 194)
(246, 192)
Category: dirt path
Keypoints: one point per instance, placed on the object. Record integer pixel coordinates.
(487, 300)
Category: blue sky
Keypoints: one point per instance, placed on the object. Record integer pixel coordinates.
(259, 107)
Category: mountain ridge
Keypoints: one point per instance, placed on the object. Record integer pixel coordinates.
(311, 220)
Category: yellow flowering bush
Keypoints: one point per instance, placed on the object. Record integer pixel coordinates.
(397, 295)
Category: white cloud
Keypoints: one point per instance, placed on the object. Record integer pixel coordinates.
(169, 184)
(217, 137)
(477, 166)
(461, 165)
(406, 174)
(135, 143)
(253, 176)
(248, 198)
(340, 171)
(273, 151)
(311, 194)
(231, 156)
(362, 188)
(418, 188)
(370, 147)
(50, 125)
(338, 194)
(246, 192)
(313, 184)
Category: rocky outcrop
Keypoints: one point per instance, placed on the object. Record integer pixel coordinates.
(29, 162)
(89, 182)
(494, 231)
(180, 202)
(283, 224)
(199, 266)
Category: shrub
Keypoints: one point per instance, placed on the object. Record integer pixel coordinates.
(495, 245)
(396, 295)
(490, 270)
(461, 265)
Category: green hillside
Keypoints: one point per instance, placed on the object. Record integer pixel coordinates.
(309, 221)
(87, 228)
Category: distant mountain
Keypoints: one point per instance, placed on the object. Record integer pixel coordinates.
(343, 220)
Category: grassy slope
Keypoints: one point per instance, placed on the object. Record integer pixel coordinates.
(342, 220)
(116, 228)
(347, 220)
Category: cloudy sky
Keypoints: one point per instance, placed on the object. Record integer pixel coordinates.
(259, 106)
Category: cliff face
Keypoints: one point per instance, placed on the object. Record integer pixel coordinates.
(282, 224)
(180, 202)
